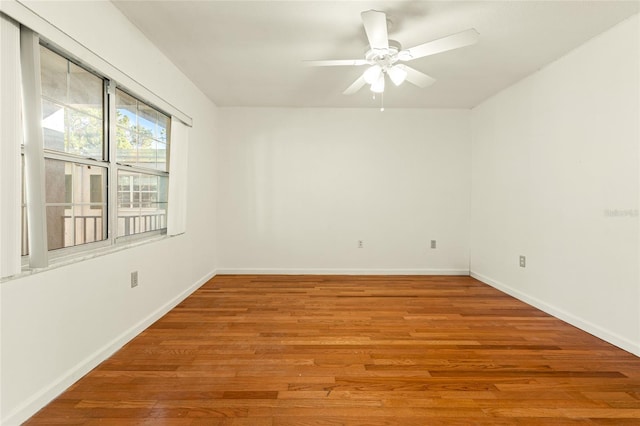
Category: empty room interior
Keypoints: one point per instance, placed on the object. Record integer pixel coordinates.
(319, 212)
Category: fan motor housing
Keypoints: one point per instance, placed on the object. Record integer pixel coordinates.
(384, 56)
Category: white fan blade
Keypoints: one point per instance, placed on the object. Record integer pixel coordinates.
(375, 25)
(355, 86)
(335, 62)
(455, 41)
(418, 78)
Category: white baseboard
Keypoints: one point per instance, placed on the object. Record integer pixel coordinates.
(49, 393)
(339, 271)
(568, 317)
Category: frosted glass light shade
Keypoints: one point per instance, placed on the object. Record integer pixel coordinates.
(397, 74)
(378, 85)
(372, 74)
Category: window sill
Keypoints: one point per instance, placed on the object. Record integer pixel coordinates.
(60, 261)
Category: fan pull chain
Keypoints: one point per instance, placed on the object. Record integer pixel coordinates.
(381, 101)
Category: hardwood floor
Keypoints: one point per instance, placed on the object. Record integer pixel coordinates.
(334, 350)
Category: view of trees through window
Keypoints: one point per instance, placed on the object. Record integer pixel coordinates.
(141, 133)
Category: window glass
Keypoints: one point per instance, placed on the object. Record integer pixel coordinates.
(75, 208)
(142, 202)
(141, 133)
(72, 107)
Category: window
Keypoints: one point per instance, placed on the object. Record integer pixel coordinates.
(82, 156)
(141, 133)
(72, 218)
(85, 151)
(72, 108)
(142, 201)
(73, 120)
(142, 148)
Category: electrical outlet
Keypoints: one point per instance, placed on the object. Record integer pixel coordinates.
(134, 279)
(523, 262)
(360, 244)
(433, 244)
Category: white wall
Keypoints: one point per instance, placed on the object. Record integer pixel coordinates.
(299, 187)
(56, 325)
(552, 158)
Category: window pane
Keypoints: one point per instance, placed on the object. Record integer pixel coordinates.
(72, 107)
(75, 204)
(140, 203)
(142, 133)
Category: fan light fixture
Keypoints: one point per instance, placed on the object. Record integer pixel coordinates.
(372, 74)
(397, 74)
(378, 85)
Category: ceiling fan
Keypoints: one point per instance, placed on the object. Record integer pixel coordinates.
(385, 56)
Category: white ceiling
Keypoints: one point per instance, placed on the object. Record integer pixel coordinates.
(250, 53)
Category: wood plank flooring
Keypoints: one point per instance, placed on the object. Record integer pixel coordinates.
(355, 350)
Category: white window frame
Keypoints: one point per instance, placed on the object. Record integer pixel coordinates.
(34, 153)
